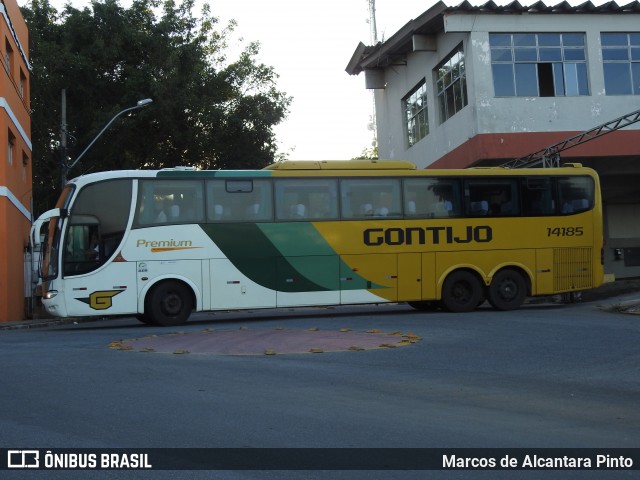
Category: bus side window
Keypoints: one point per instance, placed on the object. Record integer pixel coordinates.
(370, 197)
(145, 208)
(496, 197)
(298, 198)
(431, 197)
(537, 196)
(169, 201)
(216, 210)
(159, 211)
(230, 200)
(576, 194)
(257, 205)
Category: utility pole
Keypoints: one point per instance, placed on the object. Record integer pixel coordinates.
(63, 140)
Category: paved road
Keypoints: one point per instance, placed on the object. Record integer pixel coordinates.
(543, 376)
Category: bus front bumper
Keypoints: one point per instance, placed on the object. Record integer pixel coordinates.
(53, 302)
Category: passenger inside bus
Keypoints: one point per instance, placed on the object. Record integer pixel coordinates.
(481, 207)
(160, 216)
(383, 205)
(93, 252)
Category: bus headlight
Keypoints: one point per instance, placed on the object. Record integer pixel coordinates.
(50, 294)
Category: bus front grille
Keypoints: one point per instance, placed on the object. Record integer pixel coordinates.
(573, 269)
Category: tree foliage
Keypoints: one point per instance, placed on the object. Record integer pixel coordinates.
(208, 110)
(370, 153)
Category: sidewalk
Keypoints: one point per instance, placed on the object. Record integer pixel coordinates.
(624, 295)
(45, 322)
(627, 289)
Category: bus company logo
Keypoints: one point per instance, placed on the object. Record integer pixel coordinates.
(373, 237)
(23, 459)
(101, 300)
(157, 246)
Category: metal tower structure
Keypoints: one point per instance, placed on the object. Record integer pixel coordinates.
(373, 29)
(373, 34)
(549, 157)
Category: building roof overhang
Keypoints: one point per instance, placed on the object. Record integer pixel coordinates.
(394, 50)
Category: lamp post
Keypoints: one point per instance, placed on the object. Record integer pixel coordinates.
(66, 167)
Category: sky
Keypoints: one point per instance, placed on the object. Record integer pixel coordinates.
(309, 44)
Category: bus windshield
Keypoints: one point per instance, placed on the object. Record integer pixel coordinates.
(51, 244)
(97, 222)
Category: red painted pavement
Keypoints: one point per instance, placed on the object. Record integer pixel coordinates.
(265, 341)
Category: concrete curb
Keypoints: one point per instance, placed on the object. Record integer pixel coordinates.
(46, 322)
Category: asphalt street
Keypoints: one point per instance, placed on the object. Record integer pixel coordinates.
(562, 376)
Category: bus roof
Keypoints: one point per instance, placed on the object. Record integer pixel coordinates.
(343, 165)
(332, 167)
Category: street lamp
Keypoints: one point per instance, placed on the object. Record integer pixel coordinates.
(141, 103)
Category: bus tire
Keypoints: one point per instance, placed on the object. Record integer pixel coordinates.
(169, 303)
(507, 290)
(461, 292)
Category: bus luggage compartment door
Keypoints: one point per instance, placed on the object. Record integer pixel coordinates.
(409, 276)
(308, 280)
(369, 278)
(544, 278)
(251, 285)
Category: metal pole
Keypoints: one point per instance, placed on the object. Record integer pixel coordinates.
(63, 140)
(140, 104)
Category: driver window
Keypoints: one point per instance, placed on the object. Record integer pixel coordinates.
(82, 249)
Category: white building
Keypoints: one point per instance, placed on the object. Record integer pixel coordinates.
(482, 85)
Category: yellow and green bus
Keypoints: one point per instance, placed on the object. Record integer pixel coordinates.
(161, 244)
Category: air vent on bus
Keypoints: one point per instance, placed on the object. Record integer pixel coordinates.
(572, 269)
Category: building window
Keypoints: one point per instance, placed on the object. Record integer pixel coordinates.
(10, 147)
(621, 63)
(23, 84)
(451, 85)
(416, 116)
(8, 57)
(25, 162)
(539, 64)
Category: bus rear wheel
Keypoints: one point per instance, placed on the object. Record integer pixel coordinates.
(508, 290)
(169, 303)
(462, 292)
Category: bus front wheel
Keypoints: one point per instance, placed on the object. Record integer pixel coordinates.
(508, 290)
(169, 303)
(461, 292)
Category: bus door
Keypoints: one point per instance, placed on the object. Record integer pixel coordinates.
(94, 286)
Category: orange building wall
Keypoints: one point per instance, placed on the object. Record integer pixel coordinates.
(15, 177)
